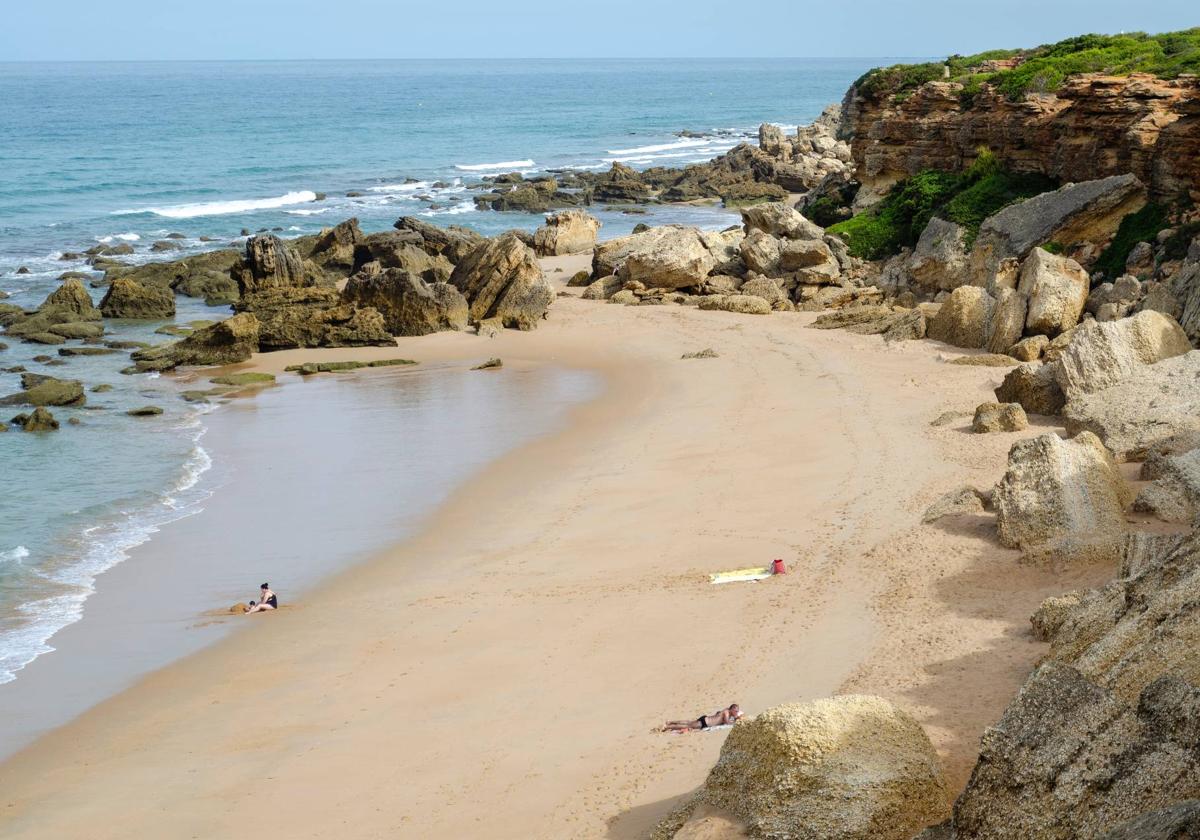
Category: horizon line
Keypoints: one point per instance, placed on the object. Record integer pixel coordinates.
(452, 58)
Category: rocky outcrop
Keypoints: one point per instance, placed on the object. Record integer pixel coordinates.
(501, 279)
(268, 263)
(290, 318)
(453, 242)
(668, 257)
(569, 232)
(1087, 212)
(781, 221)
(1101, 355)
(67, 312)
(939, 262)
(1056, 289)
(127, 298)
(1174, 495)
(1093, 126)
(405, 251)
(333, 249)
(743, 304)
(963, 318)
(38, 420)
(39, 390)
(225, 343)
(1034, 387)
(1062, 500)
(409, 305)
(204, 275)
(852, 767)
(1158, 409)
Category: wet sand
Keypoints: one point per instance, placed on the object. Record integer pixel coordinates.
(501, 673)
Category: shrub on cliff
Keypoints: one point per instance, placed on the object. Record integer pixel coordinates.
(1142, 226)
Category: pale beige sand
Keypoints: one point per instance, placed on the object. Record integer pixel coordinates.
(501, 675)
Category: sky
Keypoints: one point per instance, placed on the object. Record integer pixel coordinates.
(116, 30)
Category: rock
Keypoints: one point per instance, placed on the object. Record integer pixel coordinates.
(984, 360)
(1101, 355)
(23, 269)
(1029, 349)
(102, 388)
(939, 261)
(403, 250)
(961, 502)
(964, 318)
(780, 220)
(40, 390)
(268, 263)
(40, 420)
(164, 245)
(70, 303)
(71, 298)
(1176, 822)
(1034, 387)
(818, 298)
(1088, 211)
(999, 417)
(490, 364)
(1174, 495)
(669, 258)
(1006, 323)
(502, 279)
(409, 305)
(309, 368)
(290, 317)
(603, 289)
(744, 304)
(225, 343)
(1051, 614)
(145, 411)
(851, 767)
(76, 329)
(334, 247)
(453, 242)
(1159, 405)
(1056, 288)
(244, 379)
(568, 232)
(85, 351)
(811, 260)
(582, 277)
(760, 252)
(624, 297)
(1062, 500)
(906, 326)
(864, 320)
(127, 298)
(706, 353)
(766, 289)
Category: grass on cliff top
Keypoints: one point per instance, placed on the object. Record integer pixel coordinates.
(966, 198)
(1166, 55)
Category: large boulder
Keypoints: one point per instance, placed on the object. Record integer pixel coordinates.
(268, 263)
(1156, 409)
(780, 220)
(999, 417)
(409, 305)
(568, 232)
(502, 279)
(667, 257)
(205, 275)
(72, 301)
(1062, 500)
(853, 767)
(1102, 354)
(939, 261)
(1174, 496)
(963, 318)
(1034, 387)
(1086, 212)
(40, 390)
(310, 316)
(1057, 290)
(127, 298)
(452, 242)
(68, 305)
(760, 252)
(333, 248)
(810, 260)
(402, 250)
(225, 343)
(1006, 323)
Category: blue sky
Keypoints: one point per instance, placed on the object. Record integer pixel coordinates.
(288, 29)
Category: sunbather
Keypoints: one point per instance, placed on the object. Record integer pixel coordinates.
(720, 718)
(268, 601)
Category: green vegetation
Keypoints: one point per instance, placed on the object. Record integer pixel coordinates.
(965, 198)
(247, 378)
(1045, 68)
(1142, 226)
(1053, 247)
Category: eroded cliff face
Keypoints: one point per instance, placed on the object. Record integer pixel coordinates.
(1095, 126)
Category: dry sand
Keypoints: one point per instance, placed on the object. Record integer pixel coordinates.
(501, 674)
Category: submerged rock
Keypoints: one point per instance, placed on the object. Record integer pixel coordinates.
(225, 343)
(43, 390)
(39, 420)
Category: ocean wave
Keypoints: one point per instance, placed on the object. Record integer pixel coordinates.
(503, 165)
(222, 208)
(124, 237)
(18, 553)
(393, 188)
(456, 210)
(316, 212)
(647, 158)
(662, 147)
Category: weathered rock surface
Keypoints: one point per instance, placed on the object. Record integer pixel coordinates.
(1006, 323)
(663, 257)
(1176, 822)
(402, 250)
(1062, 500)
(603, 288)
(312, 317)
(333, 249)
(961, 502)
(502, 279)
(1174, 495)
(780, 220)
(851, 767)
(127, 298)
(1034, 387)
(453, 242)
(999, 417)
(1056, 288)
(568, 232)
(1029, 349)
(743, 304)
(225, 343)
(41, 390)
(268, 263)
(1051, 614)
(1100, 355)
(39, 420)
(204, 275)
(409, 305)
(68, 305)
(939, 262)
(1157, 408)
(963, 318)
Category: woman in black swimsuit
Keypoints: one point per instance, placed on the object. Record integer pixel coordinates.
(267, 601)
(721, 718)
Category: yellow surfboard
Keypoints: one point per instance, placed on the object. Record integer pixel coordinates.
(738, 575)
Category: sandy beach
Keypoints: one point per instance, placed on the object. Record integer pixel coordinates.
(503, 673)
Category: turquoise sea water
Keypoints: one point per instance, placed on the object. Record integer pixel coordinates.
(117, 152)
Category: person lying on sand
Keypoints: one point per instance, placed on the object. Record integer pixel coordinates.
(267, 601)
(721, 718)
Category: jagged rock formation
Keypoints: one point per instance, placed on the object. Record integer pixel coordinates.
(40, 390)
(569, 232)
(311, 316)
(127, 298)
(501, 279)
(268, 263)
(1093, 126)
(201, 275)
(228, 342)
(409, 305)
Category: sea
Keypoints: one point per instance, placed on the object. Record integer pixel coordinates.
(134, 153)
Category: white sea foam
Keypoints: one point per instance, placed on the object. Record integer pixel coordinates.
(394, 188)
(505, 165)
(456, 210)
(18, 553)
(221, 208)
(124, 237)
(316, 212)
(663, 147)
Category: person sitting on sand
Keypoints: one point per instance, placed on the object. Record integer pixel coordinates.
(267, 601)
(721, 718)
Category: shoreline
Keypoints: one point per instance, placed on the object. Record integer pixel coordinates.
(544, 577)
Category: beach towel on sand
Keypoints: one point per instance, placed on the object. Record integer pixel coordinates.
(739, 575)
